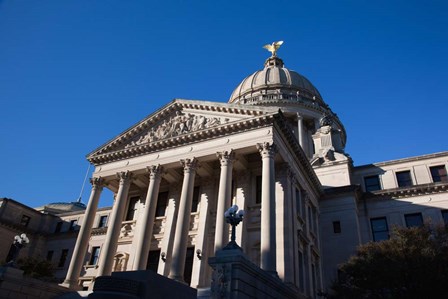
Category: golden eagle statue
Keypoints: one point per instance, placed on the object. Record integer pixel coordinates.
(273, 47)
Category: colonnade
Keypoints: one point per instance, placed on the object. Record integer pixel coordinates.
(180, 242)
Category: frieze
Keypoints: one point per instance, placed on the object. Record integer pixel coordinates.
(181, 123)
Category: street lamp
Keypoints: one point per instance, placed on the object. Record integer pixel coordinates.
(233, 217)
(19, 242)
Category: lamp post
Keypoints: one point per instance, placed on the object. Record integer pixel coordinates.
(19, 242)
(233, 217)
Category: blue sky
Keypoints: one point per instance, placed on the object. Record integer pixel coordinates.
(74, 74)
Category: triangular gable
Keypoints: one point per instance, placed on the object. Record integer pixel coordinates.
(176, 121)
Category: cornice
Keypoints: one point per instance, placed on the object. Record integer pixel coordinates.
(404, 160)
(299, 154)
(418, 190)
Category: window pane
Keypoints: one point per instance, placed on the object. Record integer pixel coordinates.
(380, 230)
(103, 221)
(337, 227)
(445, 216)
(414, 219)
(162, 202)
(258, 189)
(372, 183)
(195, 203)
(404, 179)
(438, 173)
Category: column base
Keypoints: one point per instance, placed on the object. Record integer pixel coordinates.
(177, 278)
(70, 284)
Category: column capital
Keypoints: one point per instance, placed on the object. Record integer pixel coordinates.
(124, 176)
(226, 157)
(97, 182)
(267, 149)
(299, 116)
(189, 165)
(155, 171)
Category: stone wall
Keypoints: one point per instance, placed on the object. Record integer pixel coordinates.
(14, 285)
(234, 276)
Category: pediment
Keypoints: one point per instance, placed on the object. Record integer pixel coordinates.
(181, 121)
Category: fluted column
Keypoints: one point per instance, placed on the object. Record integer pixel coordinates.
(113, 231)
(82, 242)
(183, 220)
(300, 132)
(224, 201)
(267, 244)
(149, 214)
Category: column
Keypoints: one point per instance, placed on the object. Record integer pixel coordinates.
(224, 201)
(183, 220)
(149, 214)
(267, 244)
(113, 231)
(300, 131)
(82, 242)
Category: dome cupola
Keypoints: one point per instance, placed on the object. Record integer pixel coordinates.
(275, 84)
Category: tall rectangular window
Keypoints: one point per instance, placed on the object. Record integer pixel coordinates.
(25, 220)
(445, 216)
(63, 258)
(258, 189)
(372, 183)
(301, 272)
(337, 227)
(188, 265)
(153, 260)
(132, 208)
(103, 221)
(196, 197)
(438, 173)
(50, 255)
(380, 231)
(415, 219)
(162, 202)
(404, 178)
(73, 224)
(58, 227)
(95, 255)
(298, 201)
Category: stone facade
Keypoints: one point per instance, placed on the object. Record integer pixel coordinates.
(277, 151)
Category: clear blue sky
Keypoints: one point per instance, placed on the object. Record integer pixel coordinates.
(74, 74)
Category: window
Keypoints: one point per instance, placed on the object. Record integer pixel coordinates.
(404, 178)
(195, 203)
(445, 216)
(58, 227)
(162, 202)
(50, 255)
(337, 227)
(380, 231)
(413, 219)
(132, 208)
(438, 173)
(298, 202)
(258, 189)
(301, 272)
(63, 258)
(95, 255)
(73, 224)
(372, 183)
(153, 260)
(103, 221)
(25, 220)
(188, 265)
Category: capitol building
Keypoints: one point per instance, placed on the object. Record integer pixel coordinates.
(276, 150)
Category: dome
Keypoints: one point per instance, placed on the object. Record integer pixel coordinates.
(275, 84)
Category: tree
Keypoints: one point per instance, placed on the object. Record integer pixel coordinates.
(413, 263)
(36, 268)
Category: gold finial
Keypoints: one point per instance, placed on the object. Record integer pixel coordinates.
(273, 47)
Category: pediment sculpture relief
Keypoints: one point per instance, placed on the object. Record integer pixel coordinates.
(181, 123)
